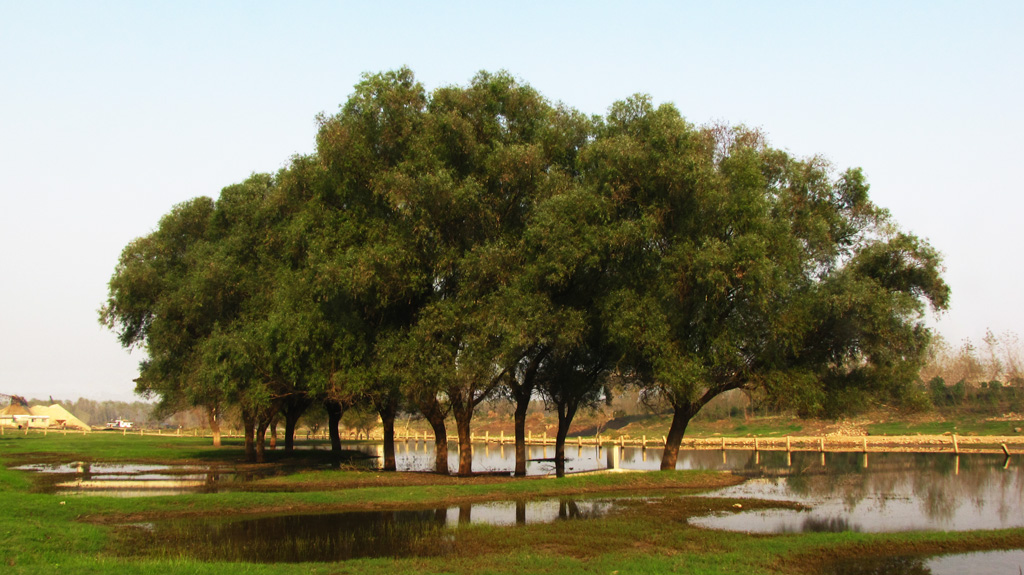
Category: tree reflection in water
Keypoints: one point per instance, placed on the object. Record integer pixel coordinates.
(1008, 562)
(898, 491)
(339, 536)
(880, 566)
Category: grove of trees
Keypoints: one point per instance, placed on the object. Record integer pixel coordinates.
(439, 249)
(981, 378)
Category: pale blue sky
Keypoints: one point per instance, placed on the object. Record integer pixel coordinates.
(112, 112)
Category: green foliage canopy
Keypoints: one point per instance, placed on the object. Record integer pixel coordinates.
(437, 246)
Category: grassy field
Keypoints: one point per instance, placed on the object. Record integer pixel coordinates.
(86, 534)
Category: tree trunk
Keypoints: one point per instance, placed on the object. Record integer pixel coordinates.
(293, 408)
(273, 433)
(387, 410)
(211, 416)
(435, 416)
(680, 419)
(334, 412)
(565, 416)
(389, 444)
(290, 421)
(261, 436)
(523, 393)
(463, 415)
(248, 422)
(520, 431)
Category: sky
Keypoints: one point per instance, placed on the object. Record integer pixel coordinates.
(113, 112)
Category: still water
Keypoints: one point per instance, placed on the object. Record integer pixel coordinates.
(877, 492)
(138, 479)
(1002, 562)
(339, 536)
(873, 492)
(487, 457)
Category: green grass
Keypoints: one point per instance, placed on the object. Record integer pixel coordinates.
(80, 534)
(961, 426)
(114, 446)
(767, 429)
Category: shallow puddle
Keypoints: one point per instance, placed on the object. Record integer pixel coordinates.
(300, 538)
(137, 479)
(981, 562)
(339, 536)
(880, 493)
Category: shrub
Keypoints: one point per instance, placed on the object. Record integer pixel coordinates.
(958, 393)
(937, 392)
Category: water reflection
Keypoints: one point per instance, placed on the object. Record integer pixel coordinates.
(844, 491)
(492, 458)
(138, 479)
(898, 492)
(879, 566)
(338, 536)
(980, 562)
(326, 537)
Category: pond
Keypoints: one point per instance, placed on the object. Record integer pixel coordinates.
(496, 458)
(877, 492)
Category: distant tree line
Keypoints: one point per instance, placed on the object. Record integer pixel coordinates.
(998, 357)
(985, 377)
(439, 249)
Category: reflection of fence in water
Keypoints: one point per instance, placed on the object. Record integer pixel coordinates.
(941, 483)
(790, 443)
